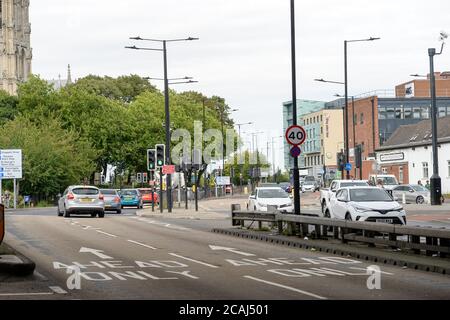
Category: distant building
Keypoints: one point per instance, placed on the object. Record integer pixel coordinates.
(61, 83)
(303, 107)
(407, 153)
(15, 48)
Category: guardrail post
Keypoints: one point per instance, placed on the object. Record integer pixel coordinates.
(431, 241)
(234, 207)
(336, 232)
(446, 244)
(416, 239)
(280, 226)
(318, 231)
(393, 237)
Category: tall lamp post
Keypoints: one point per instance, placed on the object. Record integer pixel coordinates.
(346, 94)
(435, 180)
(166, 102)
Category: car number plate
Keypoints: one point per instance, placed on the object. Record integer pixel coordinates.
(385, 220)
(128, 198)
(86, 200)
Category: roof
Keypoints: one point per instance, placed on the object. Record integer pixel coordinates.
(418, 134)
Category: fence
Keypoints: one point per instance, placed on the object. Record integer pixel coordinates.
(430, 241)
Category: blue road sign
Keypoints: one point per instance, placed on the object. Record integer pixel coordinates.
(295, 151)
(348, 167)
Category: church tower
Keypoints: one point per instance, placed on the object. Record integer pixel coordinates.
(15, 49)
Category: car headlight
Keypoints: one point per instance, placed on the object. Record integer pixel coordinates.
(262, 205)
(398, 209)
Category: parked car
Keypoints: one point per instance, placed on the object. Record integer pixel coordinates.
(370, 204)
(81, 200)
(389, 181)
(131, 198)
(146, 194)
(112, 200)
(413, 193)
(310, 185)
(274, 196)
(228, 189)
(327, 193)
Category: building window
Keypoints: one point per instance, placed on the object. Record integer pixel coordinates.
(399, 113)
(390, 113)
(321, 118)
(425, 170)
(407, 112)
(400, 174)
(448, 167)
(321, 130)
(425, 112)
(416, 112)
(381, 113)
(321, 142)
(361, 118)
(384, 170)
(442, 112)
(323, 159)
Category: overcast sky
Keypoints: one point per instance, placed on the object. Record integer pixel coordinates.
(244, 50)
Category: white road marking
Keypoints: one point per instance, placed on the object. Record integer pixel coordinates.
(192, 260)
(58, 290)
(214, 248)
(98, 253)
(27, 294)
(286, 287)
(106, 233)
(142, 244)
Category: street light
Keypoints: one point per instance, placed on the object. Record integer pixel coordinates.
(435, 180)
(222, 112)
(239, 126)
(166, 102)
(346, 94)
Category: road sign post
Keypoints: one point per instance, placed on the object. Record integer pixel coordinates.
(295, 136)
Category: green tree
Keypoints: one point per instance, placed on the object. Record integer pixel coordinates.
(8, 107)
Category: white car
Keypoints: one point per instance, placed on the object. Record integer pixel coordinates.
(263, 197)
(81, 200)
(369, 204)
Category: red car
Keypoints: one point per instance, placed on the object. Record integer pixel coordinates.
(146, 194)
(228, 189)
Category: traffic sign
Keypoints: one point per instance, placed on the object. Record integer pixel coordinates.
(295, 135)
(295, 151)
(11, 164)
(348, 167)
(168, 170)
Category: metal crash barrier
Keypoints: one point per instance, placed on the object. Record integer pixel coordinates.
(430, 241)
(2, 222)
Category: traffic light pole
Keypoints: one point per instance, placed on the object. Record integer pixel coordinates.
(167, 127)
(152, 177)
(161, 202)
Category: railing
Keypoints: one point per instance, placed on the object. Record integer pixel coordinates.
(430, 241)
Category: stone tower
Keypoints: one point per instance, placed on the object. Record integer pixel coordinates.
(15, 49)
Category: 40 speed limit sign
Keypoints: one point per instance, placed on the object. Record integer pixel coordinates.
(295, 135)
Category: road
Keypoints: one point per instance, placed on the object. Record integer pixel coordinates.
(130, 257)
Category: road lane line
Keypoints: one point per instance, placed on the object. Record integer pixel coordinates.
(286, 287)
(106, 233)
(58, 290)
(192, 260)
(27, 294)
(365, 269)
(142, 244)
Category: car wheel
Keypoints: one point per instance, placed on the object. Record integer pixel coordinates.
(101, 214)
(119, 211)
(254, 208)
(420, 200)
(66, 213)
(348, 217)
(93, 215)
(323, 206)
(60, 214)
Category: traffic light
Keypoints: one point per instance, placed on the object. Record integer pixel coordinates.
(160, 155)
(139, 178)
(151, 159)
(145, 177)
(341, 161)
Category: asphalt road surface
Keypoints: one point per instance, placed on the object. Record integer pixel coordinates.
(129, 257)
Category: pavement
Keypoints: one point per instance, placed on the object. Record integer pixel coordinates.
(137, 257)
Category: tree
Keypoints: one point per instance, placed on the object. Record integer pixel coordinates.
(53, 158)
(8, 107)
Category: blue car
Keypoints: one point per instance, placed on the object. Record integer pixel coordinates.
(131, 198)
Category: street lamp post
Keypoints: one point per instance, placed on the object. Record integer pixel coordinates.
(347, 151)
(166, 103)
(435, 180)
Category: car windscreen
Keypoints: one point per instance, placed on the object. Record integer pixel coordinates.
(419, 188)
(388, 180)
(354, 184)
(128, 192)
(85, 191)
(272, 193)
(108, 192)
(145, 191)
(369, 195)
(307, 178)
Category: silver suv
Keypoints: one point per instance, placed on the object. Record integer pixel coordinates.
(81, 200)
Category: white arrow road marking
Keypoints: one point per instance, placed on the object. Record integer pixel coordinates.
(215, 248)
(58, 290)
(96, 252)
(192, 260)
(142, 244)
(286, 287)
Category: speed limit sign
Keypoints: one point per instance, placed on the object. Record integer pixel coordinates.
(295, 135)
